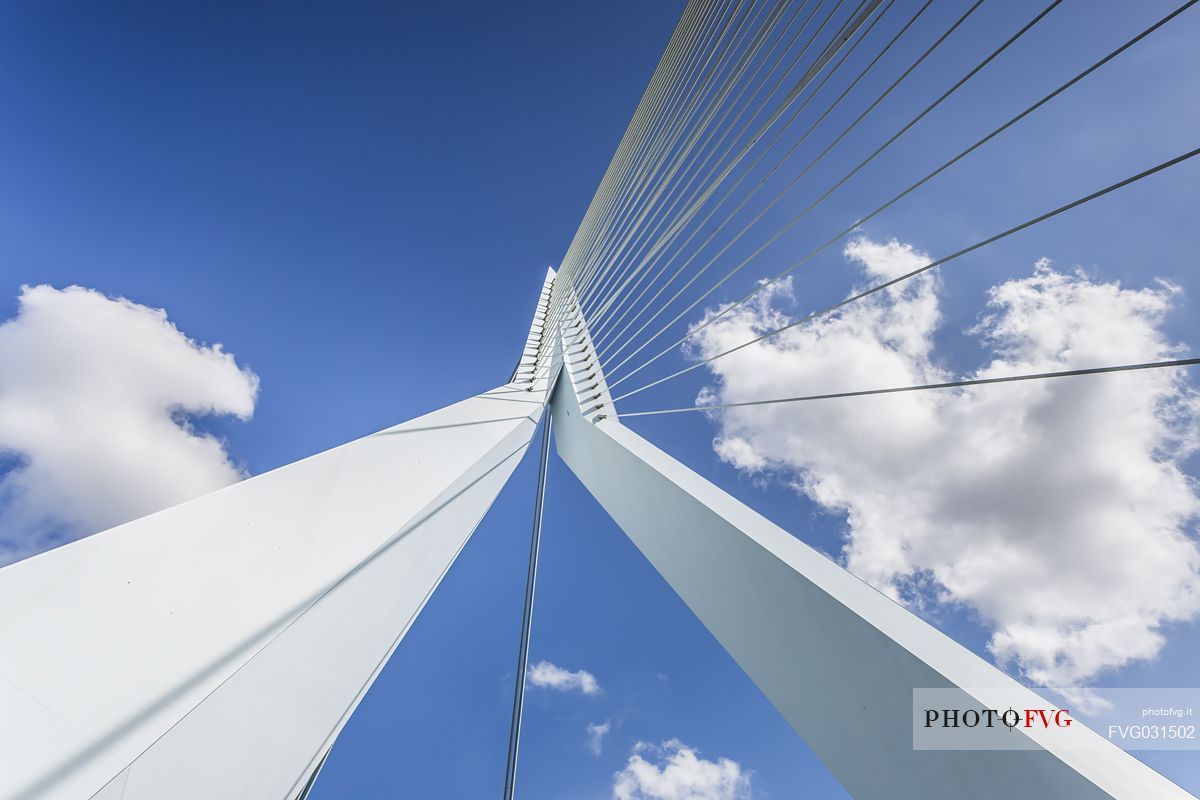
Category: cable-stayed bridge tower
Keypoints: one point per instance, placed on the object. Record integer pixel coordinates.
(217, 648)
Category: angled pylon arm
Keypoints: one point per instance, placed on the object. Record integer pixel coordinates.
(215, 649)
(836, 658)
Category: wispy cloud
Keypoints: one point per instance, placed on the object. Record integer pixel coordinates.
(552, 676)
(95, 400)
(596, 734)
(1057, 510)
(674, 771)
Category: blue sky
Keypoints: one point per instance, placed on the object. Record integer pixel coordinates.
(360, 202)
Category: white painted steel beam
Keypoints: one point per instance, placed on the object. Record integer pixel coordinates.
(215, 649)
(838, 659)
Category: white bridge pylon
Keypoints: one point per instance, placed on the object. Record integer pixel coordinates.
(837, 658)
(216, 649)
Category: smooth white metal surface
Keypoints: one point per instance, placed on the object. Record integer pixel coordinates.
(837, 658)
(215, 649)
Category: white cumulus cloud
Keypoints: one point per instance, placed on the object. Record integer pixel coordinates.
(96, 395)
(596, 733)
(677, 772)
(552, 676)
(1056, 511)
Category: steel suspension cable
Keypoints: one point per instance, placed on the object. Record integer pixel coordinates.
(514, 733)
(618, 203)
(691, 34)
(863, 163)
(1066, 373)
(911, 188)
(772, 203)
(670, 78)
(931, 265)
(665, 214)
(607, 336)
(695, 126)
(724, 165)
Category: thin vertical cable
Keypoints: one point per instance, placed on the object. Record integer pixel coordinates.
(514, 733)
